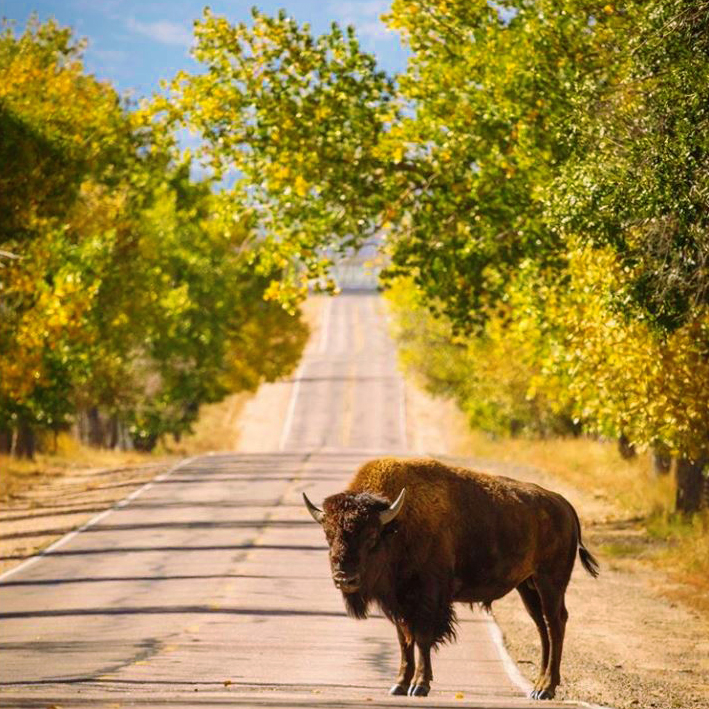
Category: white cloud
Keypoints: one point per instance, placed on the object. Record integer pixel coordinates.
(364, 15)
(163, 31)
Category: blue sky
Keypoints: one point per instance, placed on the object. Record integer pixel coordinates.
(135, 44)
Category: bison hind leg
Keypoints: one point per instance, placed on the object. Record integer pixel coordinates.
(551, 591)
(533, 604)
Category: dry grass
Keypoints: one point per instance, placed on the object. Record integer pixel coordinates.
(67, 454)
(216, 429)
(685, 555)
(592, 466)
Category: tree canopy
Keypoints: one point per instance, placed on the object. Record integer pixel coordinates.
(536, 177)
(126, 290)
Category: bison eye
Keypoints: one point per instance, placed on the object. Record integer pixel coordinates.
(373, 539)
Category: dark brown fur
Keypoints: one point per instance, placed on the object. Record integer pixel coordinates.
(461, 536)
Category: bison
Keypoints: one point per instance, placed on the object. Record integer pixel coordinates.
(415, 536)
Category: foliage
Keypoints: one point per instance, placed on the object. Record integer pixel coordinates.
(616, 374)
(299, 119)
(636, 179)
(126, 286)
(490, 375)
(537, 177)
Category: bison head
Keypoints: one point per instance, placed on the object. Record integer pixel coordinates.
(355, 525)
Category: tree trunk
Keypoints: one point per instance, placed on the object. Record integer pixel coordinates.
(24, 442)
(626, 448)
(661, 460)
(97, 431)
(690, 484)
(120, 437)
(5, 441)
(113, 432)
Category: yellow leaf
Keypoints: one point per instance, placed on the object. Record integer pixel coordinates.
(301, 186)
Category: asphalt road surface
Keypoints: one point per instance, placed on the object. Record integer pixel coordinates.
(210, 586)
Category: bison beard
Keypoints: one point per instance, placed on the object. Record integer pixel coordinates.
(451, 535)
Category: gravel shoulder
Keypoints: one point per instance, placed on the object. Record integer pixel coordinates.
(58, 502)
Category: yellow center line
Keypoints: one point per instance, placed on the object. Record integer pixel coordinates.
(349, 397)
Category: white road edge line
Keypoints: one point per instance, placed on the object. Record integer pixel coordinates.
(95, 519)
(516, 677)
(288, 423)
(508, 663)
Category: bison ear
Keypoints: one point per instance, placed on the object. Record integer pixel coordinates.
(317, 514)
(394, 509)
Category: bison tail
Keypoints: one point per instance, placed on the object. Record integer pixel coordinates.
(589, 561)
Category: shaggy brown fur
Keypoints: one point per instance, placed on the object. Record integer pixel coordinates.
(460, 536)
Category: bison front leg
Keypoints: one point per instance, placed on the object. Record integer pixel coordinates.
(406, 668)
(421, 685)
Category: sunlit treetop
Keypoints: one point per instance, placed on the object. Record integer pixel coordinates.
(299, 120)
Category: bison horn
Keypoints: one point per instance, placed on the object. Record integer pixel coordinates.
(318, 514)
(394, 509)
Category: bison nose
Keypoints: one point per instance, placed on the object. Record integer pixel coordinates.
(346, 581)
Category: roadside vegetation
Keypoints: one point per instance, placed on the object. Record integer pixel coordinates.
(63, 454)
(539, 175)
(61, 457)
(127, 298)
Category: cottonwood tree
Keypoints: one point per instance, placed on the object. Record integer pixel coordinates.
(127, 297)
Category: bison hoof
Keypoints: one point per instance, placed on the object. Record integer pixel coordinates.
(542, 694)
(418, 690)
(399, 689)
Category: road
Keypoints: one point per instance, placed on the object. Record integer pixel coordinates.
(210, 585)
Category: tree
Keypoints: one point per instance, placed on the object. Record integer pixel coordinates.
(128, 298)
(299, 120)
(635, 178)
